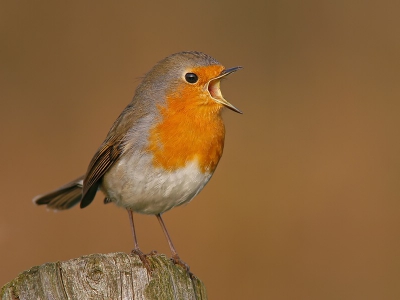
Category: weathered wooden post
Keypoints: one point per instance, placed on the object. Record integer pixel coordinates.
(106, 276)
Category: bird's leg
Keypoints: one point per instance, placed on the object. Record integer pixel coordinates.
(136, 249)
(130, 214)
(175, 257)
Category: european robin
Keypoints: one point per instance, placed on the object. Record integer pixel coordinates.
(163, 148)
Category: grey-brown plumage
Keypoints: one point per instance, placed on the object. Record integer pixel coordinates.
(152, 89)
(64, 197)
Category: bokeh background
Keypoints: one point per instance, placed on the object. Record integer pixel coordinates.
(305, 202)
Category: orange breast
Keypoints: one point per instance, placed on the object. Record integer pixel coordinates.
(190, 128)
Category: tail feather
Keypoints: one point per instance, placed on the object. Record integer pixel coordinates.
(64, 197)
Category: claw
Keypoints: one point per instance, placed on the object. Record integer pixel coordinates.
(143, 258)
(177, 261)
(154, 252)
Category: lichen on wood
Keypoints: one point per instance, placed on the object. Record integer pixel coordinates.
(106, 276)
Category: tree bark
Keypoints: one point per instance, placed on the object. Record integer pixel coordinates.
(106, 276)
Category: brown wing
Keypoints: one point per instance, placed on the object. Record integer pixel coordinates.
(108, 153)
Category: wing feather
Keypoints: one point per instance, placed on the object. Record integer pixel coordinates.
(108, 153)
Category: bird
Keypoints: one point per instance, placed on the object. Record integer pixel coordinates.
(162, 149)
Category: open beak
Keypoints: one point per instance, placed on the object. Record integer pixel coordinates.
(215, 91)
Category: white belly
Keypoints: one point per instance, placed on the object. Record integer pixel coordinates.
(135, 184)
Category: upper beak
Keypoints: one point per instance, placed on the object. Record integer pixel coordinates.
(215, 91)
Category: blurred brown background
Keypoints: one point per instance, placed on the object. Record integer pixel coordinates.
(305, 202)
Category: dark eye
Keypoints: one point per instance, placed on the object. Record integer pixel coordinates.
(191, 77)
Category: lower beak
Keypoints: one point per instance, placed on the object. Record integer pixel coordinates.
(215, 91)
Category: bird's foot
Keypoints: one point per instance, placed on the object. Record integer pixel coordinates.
(143, 258)
(177, 261)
